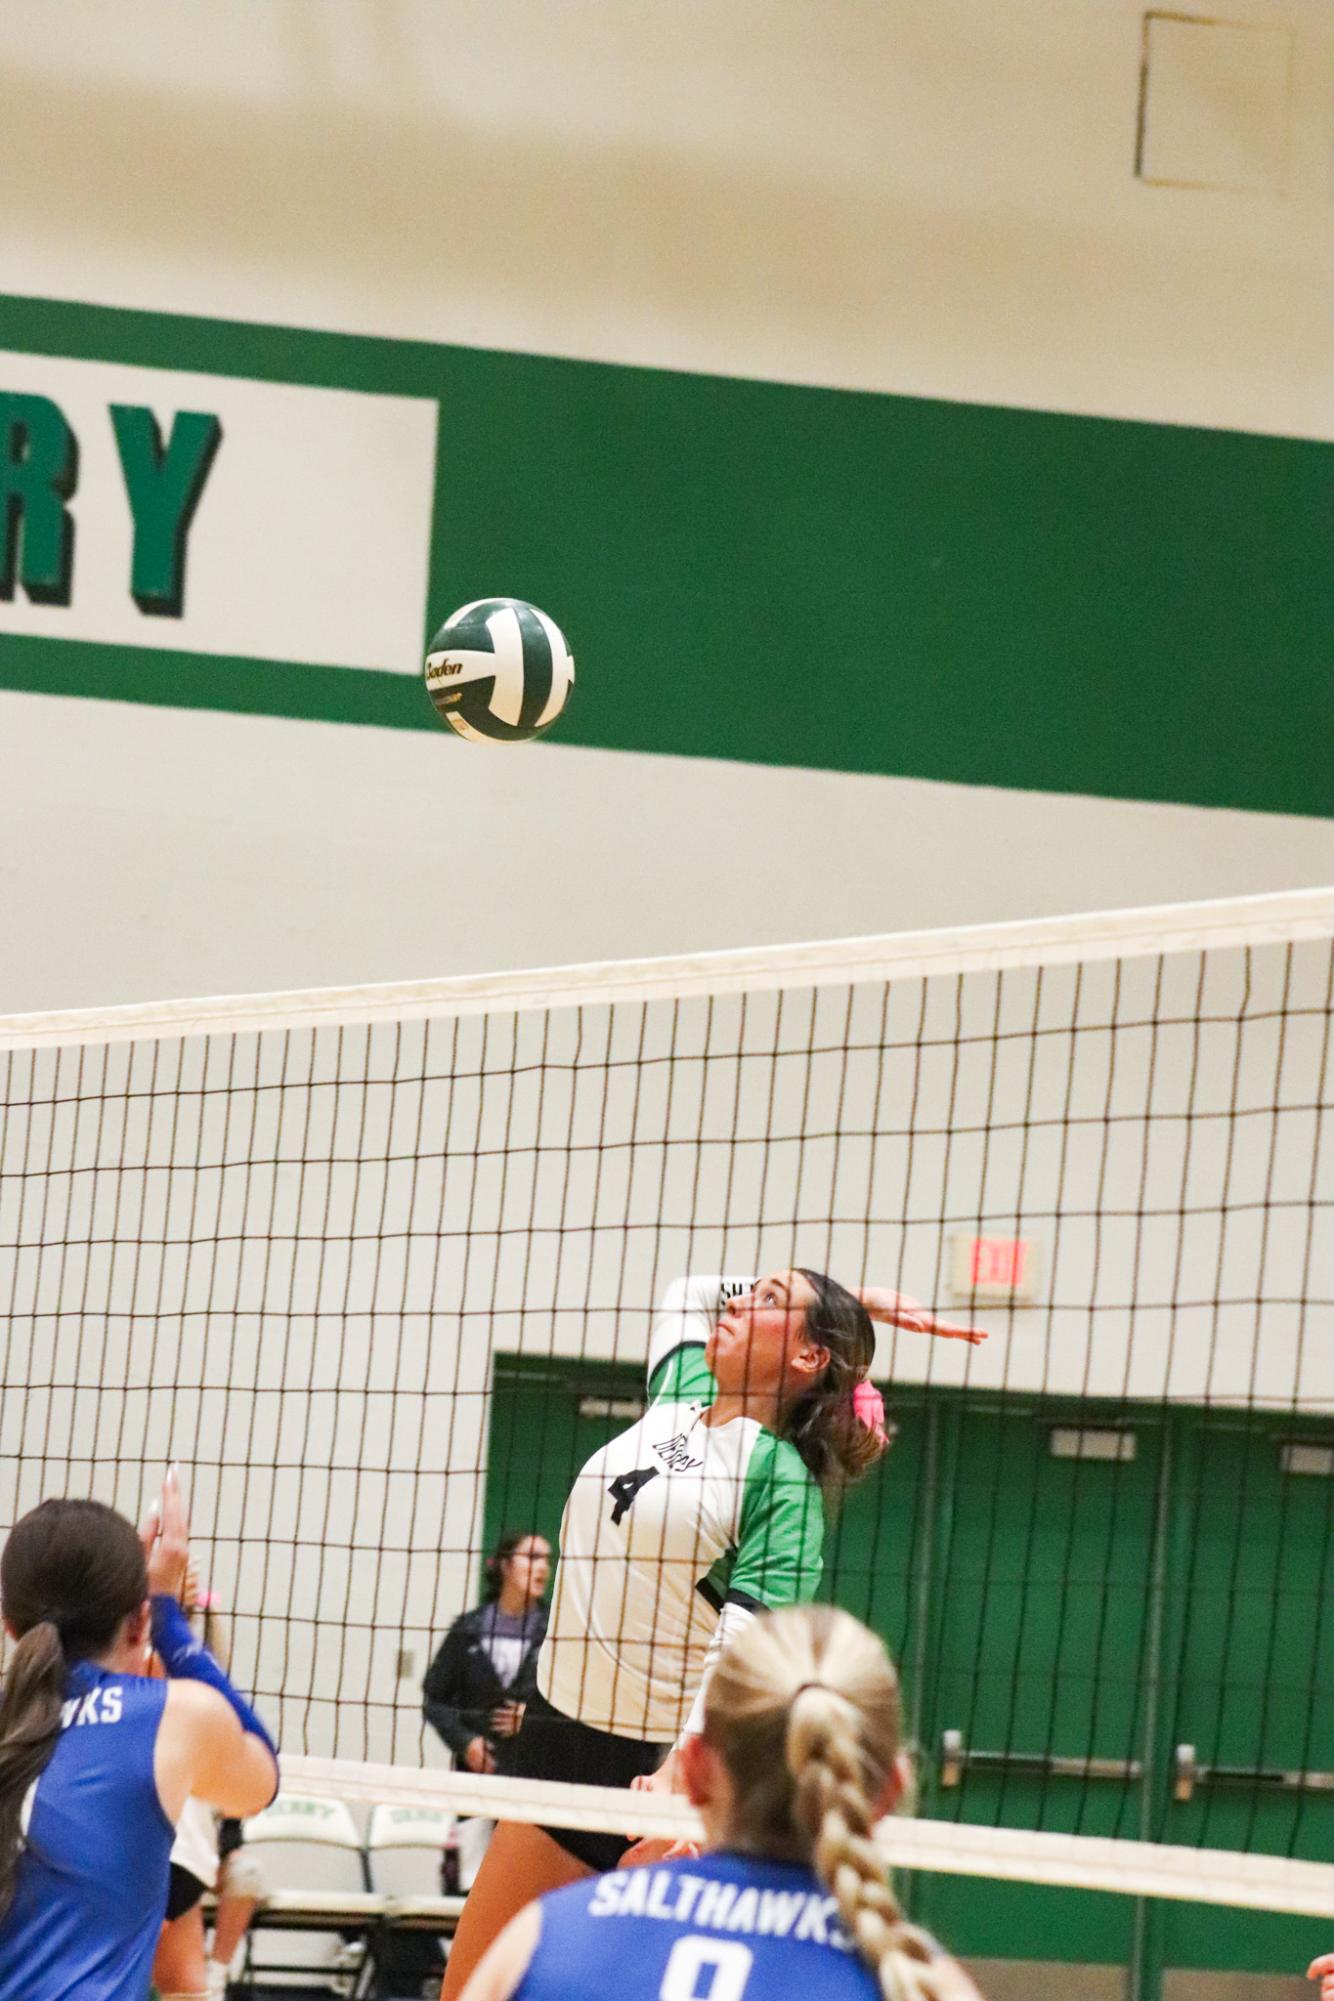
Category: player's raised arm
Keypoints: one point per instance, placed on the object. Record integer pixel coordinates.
(231, 1768)
(682, 1327)
(896, 1309)
(212, 1743)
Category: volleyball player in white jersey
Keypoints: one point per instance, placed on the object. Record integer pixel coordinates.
(675, 1535)
(799, 1756)
(96, 1758)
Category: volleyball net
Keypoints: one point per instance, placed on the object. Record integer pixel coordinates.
(376, 1268)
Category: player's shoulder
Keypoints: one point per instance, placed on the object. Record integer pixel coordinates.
(777, 1459)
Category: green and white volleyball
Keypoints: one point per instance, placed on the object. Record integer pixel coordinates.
(499, 671)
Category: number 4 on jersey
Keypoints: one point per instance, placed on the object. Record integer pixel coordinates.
(624, 1488)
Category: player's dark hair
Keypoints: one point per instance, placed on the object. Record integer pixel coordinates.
(70, 1573)
(499, 1557)
(835, 1446)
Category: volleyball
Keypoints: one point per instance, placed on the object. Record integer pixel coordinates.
(499, 671)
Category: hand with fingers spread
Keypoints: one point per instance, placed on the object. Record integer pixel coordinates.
(896, 1309)
(165, 1535)
(1322, 1969)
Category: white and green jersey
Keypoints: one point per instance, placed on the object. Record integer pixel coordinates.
(675, 1533)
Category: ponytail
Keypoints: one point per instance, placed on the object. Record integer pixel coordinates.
(803, 1708)
(29, 1729)
(833, 1812)
(836, 1446)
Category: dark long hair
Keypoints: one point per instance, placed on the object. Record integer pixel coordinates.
(70, 1573)
(835, 1446)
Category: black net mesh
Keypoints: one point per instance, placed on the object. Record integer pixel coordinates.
(381, 1290)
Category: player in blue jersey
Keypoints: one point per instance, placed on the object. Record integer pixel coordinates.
(799, 1756)
(97, 1759)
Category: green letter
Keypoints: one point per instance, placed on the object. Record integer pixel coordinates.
(39, 469)
(164, 489)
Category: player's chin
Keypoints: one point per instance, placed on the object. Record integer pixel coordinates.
(733, 1366)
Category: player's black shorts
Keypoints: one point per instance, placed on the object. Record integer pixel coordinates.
(552, 1746)
(183, 1893)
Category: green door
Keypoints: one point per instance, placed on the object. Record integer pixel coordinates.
(1041, 1618)
(879, 1542)
(1251, 1642)
(548, 1418)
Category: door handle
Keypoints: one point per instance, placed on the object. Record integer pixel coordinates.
(957, 1757)
(1188, 1773)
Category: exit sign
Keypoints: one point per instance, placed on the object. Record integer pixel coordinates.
(1000, 1268)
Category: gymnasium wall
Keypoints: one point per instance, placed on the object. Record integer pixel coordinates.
(937, 507)
(919, 419)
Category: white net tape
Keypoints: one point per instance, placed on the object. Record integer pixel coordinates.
(1069, 1861)
(1288, 917)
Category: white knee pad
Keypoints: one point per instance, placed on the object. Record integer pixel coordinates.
(242, 1876)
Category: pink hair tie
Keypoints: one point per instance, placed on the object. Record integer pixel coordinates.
(211, 1601)
(869, 1406)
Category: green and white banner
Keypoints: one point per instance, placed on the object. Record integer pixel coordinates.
(200, 514)
(156, 508)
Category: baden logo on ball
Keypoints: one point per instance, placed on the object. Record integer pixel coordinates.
(499, 671)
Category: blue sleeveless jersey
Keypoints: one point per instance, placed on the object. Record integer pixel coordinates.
(92, 1879)
(722, 1928)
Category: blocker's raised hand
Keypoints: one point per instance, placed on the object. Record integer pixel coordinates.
(1322, 1969)
(895, 1309)
(166, 1539)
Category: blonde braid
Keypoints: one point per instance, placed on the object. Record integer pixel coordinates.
(831, 1808)
(804, 1709)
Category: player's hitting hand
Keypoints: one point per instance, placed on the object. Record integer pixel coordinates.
(1322, 1969)
(895, 1309)
(165, 1535)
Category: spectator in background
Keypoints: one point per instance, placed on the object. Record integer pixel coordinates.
(479, 1682)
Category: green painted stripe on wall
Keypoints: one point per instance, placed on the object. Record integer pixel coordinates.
(226, 684)
(829, 578)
